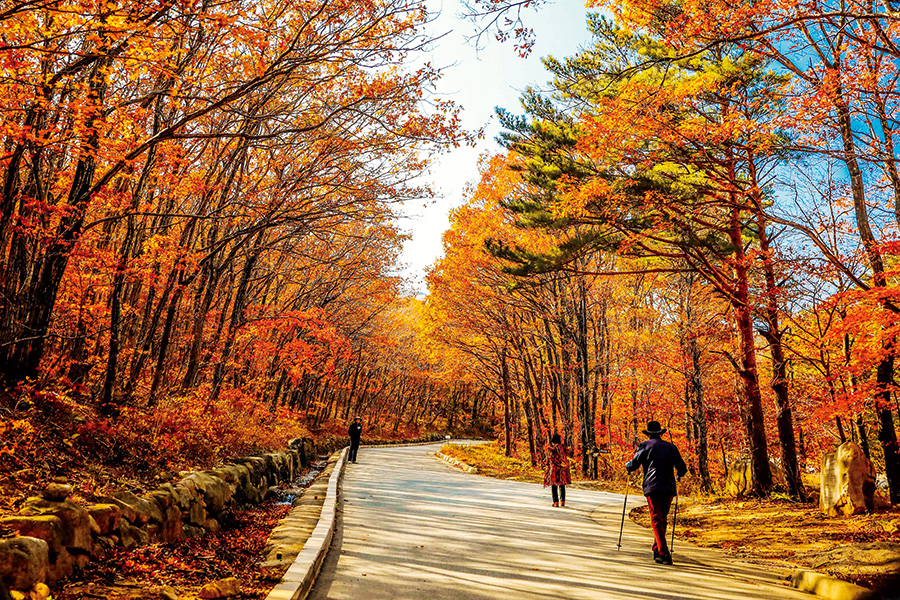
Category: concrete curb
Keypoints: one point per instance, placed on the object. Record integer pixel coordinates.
(297, 581)
(456, 463)
(827, 587)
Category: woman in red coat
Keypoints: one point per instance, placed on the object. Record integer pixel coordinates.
(557, 474)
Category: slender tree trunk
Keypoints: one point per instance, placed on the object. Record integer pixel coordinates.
(784, 416)
(699, 416)
(749, 372)
(205, 293)
(237, 317)
(164, 346)
(507, 409)
(586, 417)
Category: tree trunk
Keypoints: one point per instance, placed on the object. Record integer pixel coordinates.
(779, 384)
(237, 316)
(748, 371)
(28, 302)
(699, 416)
(507, 409)
(164, 346)
(884, 378)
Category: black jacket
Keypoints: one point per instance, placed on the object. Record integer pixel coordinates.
(354, 432)
(660, 460)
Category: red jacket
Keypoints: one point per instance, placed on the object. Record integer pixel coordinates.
(557, 470)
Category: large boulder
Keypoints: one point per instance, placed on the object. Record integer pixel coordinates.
(271, 467)
(847, 481)
(159, 501)
(52, 530)
(142, 508)
(44, 527)
(197, 514)
(740, 477)
(64, 563)
(172, 527)
(131, 536)
(128, 512)
(295, 461)
(107, 517)
(217, 493)
(242, 492)
(257, 467)
(76, 526)
(24, 561)
(230, 475)
(57, 492)
(223, 588)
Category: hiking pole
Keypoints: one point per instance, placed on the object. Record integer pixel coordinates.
(624, 504)
(674, 520)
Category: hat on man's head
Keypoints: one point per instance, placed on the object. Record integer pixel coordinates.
(356, 418)
(654, 428)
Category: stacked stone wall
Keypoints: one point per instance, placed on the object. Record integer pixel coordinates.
(56, 535)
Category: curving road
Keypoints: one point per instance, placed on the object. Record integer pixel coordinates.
(412, 527)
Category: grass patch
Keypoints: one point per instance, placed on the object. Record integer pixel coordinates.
(490, 460)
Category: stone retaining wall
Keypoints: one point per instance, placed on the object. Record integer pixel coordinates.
(57, 535)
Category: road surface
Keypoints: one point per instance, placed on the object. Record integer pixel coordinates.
(413, 527)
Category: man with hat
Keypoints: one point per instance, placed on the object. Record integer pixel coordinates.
(355, 432)
(659, 459)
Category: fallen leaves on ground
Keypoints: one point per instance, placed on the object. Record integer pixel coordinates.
(863, 549)
(235, 551)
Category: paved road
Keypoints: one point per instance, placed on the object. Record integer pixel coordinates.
(412, 527)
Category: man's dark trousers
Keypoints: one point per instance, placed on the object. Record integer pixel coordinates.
(659, 512)
(354, 448)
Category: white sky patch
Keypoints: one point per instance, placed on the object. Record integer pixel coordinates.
(480, 80)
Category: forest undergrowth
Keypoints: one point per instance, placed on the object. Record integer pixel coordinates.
(49, 434)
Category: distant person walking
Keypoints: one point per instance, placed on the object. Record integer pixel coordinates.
(557, 474)
(660, 460)
(355, 432)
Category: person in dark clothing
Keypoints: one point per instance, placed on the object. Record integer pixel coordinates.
(659, 460)
(557, 474)
(355, 432)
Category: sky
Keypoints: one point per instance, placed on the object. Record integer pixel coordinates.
(479, 79)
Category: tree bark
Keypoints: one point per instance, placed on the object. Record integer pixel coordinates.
(748, 371)
(507, 409)
(784, 416)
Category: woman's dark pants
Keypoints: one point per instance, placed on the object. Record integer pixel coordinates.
(558, 496)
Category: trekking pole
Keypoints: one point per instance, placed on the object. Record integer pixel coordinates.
(674, 520)
(624, 504)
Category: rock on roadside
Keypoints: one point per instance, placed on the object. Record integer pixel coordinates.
(223, 588)
(24, 562)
